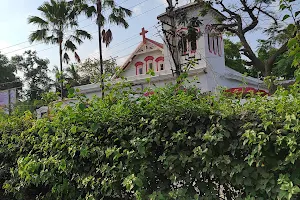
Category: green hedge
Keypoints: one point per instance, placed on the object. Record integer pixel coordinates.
(171, 145)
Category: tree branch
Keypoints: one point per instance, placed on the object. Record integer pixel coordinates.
(252, 16)
(267, 14)
(227, 27)
(280, 51)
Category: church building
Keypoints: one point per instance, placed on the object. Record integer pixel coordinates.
(208, 71)
(206, 52)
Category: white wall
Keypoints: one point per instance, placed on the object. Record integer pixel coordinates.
(130, 70)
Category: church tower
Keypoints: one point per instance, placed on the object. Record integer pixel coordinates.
(202, 50)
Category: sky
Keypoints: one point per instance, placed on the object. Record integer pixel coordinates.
(15, 30)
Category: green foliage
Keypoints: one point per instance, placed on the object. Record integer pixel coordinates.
(233, 58)
(293, 44)
(58, 17)
(90, 69)
(8, 78)
(283, 64)
(174, 144)
(36, 76)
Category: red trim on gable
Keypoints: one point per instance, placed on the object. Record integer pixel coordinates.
(149, 58)
(159, 59)
(160, 45)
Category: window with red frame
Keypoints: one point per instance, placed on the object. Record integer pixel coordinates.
(184, 43)
(150, 66)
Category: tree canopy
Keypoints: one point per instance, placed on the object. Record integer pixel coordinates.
(173, 144)
(245, 17)
(8, 78)
(36, 74)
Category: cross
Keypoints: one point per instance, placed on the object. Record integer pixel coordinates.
(143, 33)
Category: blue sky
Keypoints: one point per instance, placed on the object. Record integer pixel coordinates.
(15, 30)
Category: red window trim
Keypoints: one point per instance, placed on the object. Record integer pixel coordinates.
(215, 44)
(149, 58)
(160, 59)
(220, 46)
(189, 48)
(138, 65)
(157, 60)
(194, 51)
(182, 29)
(208, 42)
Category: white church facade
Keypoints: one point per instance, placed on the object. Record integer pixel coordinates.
(207, 52)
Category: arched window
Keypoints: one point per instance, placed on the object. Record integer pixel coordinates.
(213, 45)
(220, 45)
(184, 44)
(188, 42)
(208, 42)
(139, 68)
(149, 63)
(194, 40)
(209, 37)
(193, 43)
(160, 63)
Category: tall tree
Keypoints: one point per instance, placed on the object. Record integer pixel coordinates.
(116, 15)
(35, 71)
(73, 77)
(58, 17)
(59, 77)
(233, 58)
(90, 69)
(245, 17)
(8, 78)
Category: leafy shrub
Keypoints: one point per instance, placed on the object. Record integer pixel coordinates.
(170, 145)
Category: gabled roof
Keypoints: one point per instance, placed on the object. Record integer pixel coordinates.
(159, 45)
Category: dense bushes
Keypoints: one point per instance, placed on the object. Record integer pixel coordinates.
(170, 145)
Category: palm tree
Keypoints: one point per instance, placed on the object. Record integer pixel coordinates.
(59, 77)
(58, 17)
(117, 15)
(73, 76)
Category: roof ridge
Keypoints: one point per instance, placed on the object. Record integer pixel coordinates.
(156, 43)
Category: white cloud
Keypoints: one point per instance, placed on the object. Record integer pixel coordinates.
(137, 10)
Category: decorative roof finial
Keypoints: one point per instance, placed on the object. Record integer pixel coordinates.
(143, 33)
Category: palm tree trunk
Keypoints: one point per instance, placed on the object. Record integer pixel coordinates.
(61, 71)
(100, 46)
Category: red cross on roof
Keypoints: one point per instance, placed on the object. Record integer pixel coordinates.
(143, 33)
